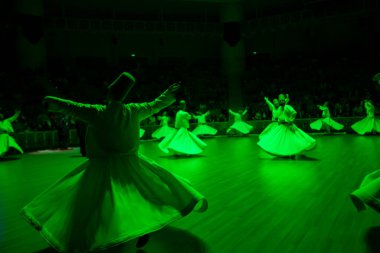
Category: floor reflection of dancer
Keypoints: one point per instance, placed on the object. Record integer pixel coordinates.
(369, 124)
(202, 127)
(368, 194)
(273, 108)
(165, 129)
(239, 125)
(6, 130)
(326, 122)
(286, 139)
(117, 194)
(182, 141)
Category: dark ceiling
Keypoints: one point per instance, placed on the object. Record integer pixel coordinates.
(192, 10)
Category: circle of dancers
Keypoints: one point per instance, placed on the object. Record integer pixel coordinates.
(89, 208)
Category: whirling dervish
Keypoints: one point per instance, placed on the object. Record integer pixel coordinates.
(369, 124)
(7, 142)
(326, 122)
(182, 141)
(165, 129)
(286, 139)
(239, 125)
(202, 127)
(368, 193)
(273, 108)
(118, 194)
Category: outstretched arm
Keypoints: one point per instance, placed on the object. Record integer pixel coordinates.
(232, 112)
(167, 98)
(269, 103)
(85, 112)
(292, 113)
(245, 111)
(14, 117)
(287, 99)
(207, 113)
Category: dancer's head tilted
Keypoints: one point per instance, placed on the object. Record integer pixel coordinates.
(119, 89)
(1, 116)
(182, 105)
(276, 103)
(326, 103)
(281, 99)
(165, 113)
(376, 78)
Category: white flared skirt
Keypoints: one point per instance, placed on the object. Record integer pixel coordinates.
(162, 132)
(182, 142)
(367, 125)
(108, 201)
(7, 142)
(368, 194)
(285, 141)
(241, 127)
(320, 123)
(268, 129)
(204, 130)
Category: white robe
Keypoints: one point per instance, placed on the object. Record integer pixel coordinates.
(118, 194)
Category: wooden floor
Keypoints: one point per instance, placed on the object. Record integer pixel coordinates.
(257, 203)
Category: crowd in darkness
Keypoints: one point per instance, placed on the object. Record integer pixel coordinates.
(342, 81)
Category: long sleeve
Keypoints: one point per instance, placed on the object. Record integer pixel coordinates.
(145, 110)
(232, 113)
(84, 112)
(291, 113)
(269, 103)
(14, 117)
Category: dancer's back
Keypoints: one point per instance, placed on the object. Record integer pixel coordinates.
(114, 129)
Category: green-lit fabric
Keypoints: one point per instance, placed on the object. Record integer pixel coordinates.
(202, 128)
(285, 138)
(368, 193)
(369, 124)
(239, 125)
(116, 195)
(6, 141)
(164, 130)
(326, 121)
(181, 141)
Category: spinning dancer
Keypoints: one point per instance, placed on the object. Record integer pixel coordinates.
(202, 128)
(6, 140)
(239, 125)
(165, 129)
(368, 193)
(287, 139)
(182, 142)
(369, 124)
(117, 194)
(273, 107)
(326, 121)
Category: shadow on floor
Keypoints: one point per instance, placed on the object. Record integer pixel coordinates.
(296, 158)
(10, 158)
(176, 157)
(372, 239)
(166, 240)
(305, 158)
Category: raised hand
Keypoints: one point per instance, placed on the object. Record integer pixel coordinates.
(174, 87)
(50, 104)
